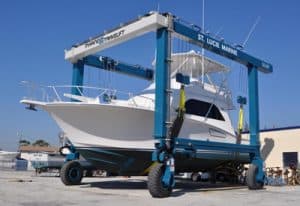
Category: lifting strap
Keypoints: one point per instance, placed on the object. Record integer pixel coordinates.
(242, 101)
(178, 121)
(241, 119)
(240, 124)
(181, 107)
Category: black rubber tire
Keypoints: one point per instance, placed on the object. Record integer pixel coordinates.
(221, 177)
(251, 178)
(213, 177)
(71, 173)
(155, 185)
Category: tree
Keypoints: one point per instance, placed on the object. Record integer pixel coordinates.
(24, 142)
(41, 142)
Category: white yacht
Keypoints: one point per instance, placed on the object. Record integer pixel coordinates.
(117, 134)
(8, 156)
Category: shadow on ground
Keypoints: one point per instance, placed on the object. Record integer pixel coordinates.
(181, 187)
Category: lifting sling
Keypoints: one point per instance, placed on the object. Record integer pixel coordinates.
(240, 125)
(178, 121)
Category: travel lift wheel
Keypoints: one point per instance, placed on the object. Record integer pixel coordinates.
(161, 176)
(71, 173)
(156, 186)
(251, 178)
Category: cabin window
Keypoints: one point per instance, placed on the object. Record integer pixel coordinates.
(201, 108)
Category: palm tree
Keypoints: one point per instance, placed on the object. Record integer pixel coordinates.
(24, 142)
(41, 142)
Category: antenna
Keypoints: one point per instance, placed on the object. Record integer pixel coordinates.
(218, 32)
(202, 51)
(251, 31)
(157, 7)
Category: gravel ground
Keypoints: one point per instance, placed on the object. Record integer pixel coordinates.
(26, 189)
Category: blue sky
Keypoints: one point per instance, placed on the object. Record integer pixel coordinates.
(34, 34)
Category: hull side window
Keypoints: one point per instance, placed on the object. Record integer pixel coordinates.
(200, 108)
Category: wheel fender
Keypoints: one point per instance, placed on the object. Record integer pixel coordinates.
(168, 176)
(260, 176)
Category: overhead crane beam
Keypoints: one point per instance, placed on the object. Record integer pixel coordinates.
(107, 63)
(154, 21)
(195, 35)
(149, 22)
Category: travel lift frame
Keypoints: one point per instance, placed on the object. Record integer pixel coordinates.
(161, 176)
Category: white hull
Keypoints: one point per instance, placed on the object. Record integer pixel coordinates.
(7, 156)
(106, 125)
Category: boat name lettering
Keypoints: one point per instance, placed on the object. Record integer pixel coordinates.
(229, 49)
(213, 43)
(216, 44)
(200, 37)
(103, 39)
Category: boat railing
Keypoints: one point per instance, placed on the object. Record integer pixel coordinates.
(142, 101)
(87, 94)
(221, 92)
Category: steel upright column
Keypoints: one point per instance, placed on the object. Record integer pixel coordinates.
(161, 176)
(161, 83)
(77, 79)
(253, 106)
(254, 121)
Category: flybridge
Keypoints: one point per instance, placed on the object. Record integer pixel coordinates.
(154, 21)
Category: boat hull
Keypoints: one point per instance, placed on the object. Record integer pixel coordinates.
(119, 139)
(104, 125)
(8, 156)
(138, 162)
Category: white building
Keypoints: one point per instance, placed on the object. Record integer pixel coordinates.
(36, 154)
(280, 147)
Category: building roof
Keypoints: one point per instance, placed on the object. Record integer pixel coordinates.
(31, 148)
(276, 129)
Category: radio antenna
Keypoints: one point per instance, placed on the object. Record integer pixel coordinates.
(251, 31)
(202, 51)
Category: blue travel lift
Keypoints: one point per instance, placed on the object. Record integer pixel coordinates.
(161, 176)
